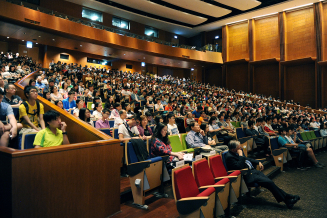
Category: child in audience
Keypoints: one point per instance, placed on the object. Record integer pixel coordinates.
(55, 132)
(31, 111)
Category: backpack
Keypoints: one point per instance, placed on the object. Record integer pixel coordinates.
(27, 108)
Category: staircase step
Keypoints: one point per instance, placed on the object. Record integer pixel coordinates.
(271, 172)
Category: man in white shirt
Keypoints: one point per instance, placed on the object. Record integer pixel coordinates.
(127, 130)
(120, 120)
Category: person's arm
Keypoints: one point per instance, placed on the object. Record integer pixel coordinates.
(41, 121)
(52, 97)
(27, 120)
(13, 123)
(65, 137)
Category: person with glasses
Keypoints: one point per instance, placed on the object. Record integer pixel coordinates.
(103, 122)
(31, 111)
(10, 97)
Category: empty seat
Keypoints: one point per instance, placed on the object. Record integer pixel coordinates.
(28, 140)
(176, 144)
(185, 190)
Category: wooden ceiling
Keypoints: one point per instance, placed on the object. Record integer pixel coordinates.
(19, 33)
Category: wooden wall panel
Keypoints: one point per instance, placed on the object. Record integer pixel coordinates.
(300, 34)
(300, 84)
(324, 31)
(266, 38)
(265, 80)
(214, 76)
(237, 77)
(238, 44)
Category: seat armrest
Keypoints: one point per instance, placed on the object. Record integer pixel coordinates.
(188, 205)
(135, 168)
(231, 178)
(218, 188)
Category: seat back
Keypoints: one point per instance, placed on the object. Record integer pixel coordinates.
(184, 183)
(130, 154)
(111, 123)
(175, 143)
(185, 124)
(313, 135)
(240, 133)
(238, 124)
(89, 105)
(115, 132)
(16, 112)
(28, 140)
(152, 128)
(217, 166)
(308, 135)
(106, 131)
(274, 143)
(182, 137)
(304, 136)
(202, 173)
(299, 135)
(233, 123)
(223, 155)
(317, 133)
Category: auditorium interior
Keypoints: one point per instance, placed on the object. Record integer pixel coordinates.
(163, 108)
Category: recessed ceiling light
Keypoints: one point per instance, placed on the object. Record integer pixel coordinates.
(23, 40)
(124, 54)
(36, 43)
(80, 45)
(53, 39)
(39, 36)
(7, 37)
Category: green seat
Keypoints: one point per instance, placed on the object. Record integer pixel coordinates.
(319, 139)
(304, 136)
(238, 124)
(176, 145)
(313, 140)
(233, 123)
(183, 136)
(103, 104)
(89, 105)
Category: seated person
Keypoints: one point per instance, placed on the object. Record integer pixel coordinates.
(128, 130)
(55, 132)
(236, 161)
(97, 113)
(121, 119)
(69, 102)
(59, 104)
(171, 125)
(323, 129)
(202, 117)
(115, 112)
(268, 128)
(143, 128)
(211, 142)
(129, 111)
(103, 122)
(257, 137)
(168, 107)
(286, 140)
(158, 106)
(189, 118)
(149, 116)
(10, 97)
(10, 130)
(197, 138)
(226, 125)
(197, 113)
(85, 115)
(244, 122)
(160, 144)
(79, 105)
(31, 111)
(214, 129)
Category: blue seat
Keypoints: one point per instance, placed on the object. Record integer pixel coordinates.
(152, 128)
(240, 133)
(106, 131)
(132, 158)
(16, 112)
(27, 140)
(317, 133)
(111, 123)
(72, 112)
(299, 135)
(94, 121)
(142, 103)
(116, 135)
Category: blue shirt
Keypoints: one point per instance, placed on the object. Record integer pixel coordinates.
(196, 114)
(5, 110)
(282, 141)
(194, 140)
(39, 85)
(67, 105)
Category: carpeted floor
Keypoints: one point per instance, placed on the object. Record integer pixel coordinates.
(310, 185)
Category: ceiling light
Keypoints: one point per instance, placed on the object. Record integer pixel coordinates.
(265, 15)
(7, 37)
(124, 54)
(298, 7)
(236, 21)
(23, 40)
(216, 37)
(40, 36)
(175, 37)
(53, 39)
(36, 43)
(81, 45)
(192, 69)
(94, 17)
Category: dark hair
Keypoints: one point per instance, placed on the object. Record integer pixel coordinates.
(27, 90)
(203, 126)
(157, 134)
(71, 93)
(31, 81)
(56, 102)
(220, 115)
(199, 108)
(81, 114)
(116, 105)
(211, 120)
(259, 120)
(192, 124)
(105, 110)
(250, 123)
(157, 119)
(49, 116)
(170, 115)
(282, 130)
(148, 114)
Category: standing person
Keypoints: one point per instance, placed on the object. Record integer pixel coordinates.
(69, 102)
(236, 161)
(55, 132)
(31, 111)
(10, 97)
